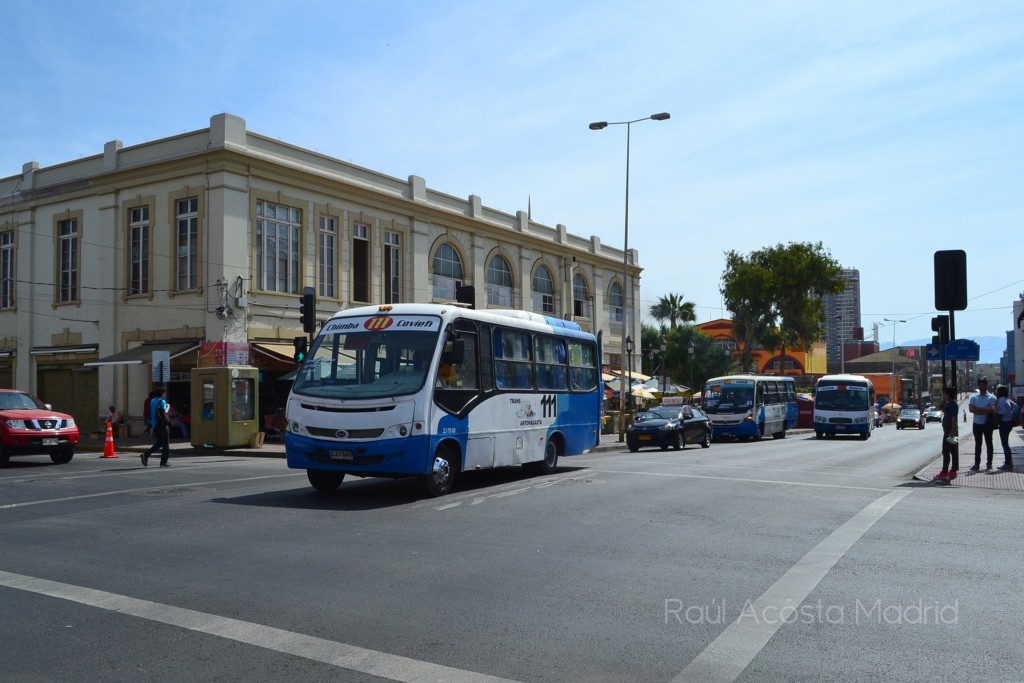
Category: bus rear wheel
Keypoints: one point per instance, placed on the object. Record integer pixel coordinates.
(324, 481)
(550, 462)
(442, 474)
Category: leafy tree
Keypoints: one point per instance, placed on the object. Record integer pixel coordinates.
(673, 307)
(680, 367)
(776, 295)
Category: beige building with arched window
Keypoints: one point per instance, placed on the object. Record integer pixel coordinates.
(199, 245)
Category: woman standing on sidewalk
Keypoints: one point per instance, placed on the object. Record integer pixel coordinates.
(1005, 409)
(950, 444)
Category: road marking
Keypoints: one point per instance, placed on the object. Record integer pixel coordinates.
(731, 652)
(121, 492)
(449, 506)
(362, 660)
(754, 481)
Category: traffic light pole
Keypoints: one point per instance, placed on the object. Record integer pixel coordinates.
(952, 363)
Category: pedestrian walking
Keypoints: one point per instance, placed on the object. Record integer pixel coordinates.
(161, 429)
(1005, 409)
(950, 439)
(147, 416)
(983, 406)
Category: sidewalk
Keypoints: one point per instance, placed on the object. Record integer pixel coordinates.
(985, 479)
(133, 446)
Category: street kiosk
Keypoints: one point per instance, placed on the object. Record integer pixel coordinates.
(224, 401)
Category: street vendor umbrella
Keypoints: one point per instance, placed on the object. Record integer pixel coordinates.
(643, 393)
(891, 406)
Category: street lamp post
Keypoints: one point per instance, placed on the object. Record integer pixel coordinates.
(892, 388)
(598, 125)
(629, 373)
(664, 369)
(691, 348)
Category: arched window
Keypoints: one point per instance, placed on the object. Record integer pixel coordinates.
(543, 291)
(447, 272)
(499, 282)
(580, 297)
(615, 303)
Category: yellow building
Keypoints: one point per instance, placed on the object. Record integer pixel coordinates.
(767, 361)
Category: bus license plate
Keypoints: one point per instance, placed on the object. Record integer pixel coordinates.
(344, 456)
(49, 442)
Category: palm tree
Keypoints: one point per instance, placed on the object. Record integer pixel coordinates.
(673, 308)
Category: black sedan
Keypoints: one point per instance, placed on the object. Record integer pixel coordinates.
(666, 426)
(910, 418)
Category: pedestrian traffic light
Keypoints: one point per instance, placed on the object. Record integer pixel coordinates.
(307, 310)
(300, 349)
(940, 324)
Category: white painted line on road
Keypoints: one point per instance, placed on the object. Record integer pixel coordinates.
(510, 493)
(732, 651)
(449, 506)
(371, 662)
(121, 492)
(745, 479)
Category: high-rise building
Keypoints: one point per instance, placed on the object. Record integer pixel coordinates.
(842, 316)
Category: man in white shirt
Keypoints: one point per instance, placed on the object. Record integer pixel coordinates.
(981, 405)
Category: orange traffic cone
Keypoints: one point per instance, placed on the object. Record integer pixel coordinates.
(108, 447)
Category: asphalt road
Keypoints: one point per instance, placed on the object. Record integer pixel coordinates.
(796, 559)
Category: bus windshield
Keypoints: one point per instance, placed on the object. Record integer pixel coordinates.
(720, 398)
(364, 363)
(841, 397)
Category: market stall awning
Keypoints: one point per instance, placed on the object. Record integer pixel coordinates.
(143, 354)
(283, 352)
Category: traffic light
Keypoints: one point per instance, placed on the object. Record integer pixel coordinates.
(307, 310)
(951, 280)
(940, 324)
(300, 349)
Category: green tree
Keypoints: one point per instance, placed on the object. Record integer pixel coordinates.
(776, 295)
(674, 308)
(679, 366)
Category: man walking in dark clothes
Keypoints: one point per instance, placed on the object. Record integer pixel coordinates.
(161, 429)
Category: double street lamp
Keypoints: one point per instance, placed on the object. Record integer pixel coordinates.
(599, 125)
(892, 389)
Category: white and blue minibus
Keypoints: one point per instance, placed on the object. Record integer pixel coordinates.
(750, 406)
(433, 390)
(844, 404)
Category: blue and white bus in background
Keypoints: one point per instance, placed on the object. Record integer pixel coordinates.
(432, 390)
(844, 404)
(750, 406)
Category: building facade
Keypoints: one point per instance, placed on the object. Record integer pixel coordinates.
(794, 362)
(842, 319)
(199, 245)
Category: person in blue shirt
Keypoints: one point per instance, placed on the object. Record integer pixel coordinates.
(161, 425)
(1005, 408)
(982, 405)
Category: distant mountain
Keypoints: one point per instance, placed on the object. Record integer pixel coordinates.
(991, 347)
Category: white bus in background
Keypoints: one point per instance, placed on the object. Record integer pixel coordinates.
(844, 404)
(750, 406)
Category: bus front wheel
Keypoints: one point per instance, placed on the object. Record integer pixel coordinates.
(442, 475)
(324, 481)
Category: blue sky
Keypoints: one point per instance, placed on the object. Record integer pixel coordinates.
(885, 130)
